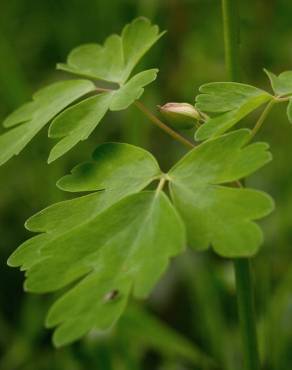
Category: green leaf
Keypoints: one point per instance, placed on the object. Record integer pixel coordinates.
(103, 174)
(289, 110)
(113, 166)
(282, 84)
(215, 214)
(111, 254)
(77, 123)
(233, 99)
(46, 103)
(22, 114)
(104, 241)
(115, 60)
(132, 90)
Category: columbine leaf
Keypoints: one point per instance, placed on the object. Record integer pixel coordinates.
(33, 116)
(103, 174)
(215, 214)
(110, 247)
(112, 254)
(132, 90)
(282, 84)
(233, 99)
(114, 165)
(77, 122)
(115, 60)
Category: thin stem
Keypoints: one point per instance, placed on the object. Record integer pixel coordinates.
(231, 38)
(163, 126)
(156, 121)
(160, 185)
(246, 310)
(262, 118)
(244, 287)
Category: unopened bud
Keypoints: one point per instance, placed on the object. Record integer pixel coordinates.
(180, 115)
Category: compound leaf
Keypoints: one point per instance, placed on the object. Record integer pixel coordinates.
(111, 254)
(77, 123)
(282, 84)
(114, 165)
(216, 214)
(104, 241)
(112, 62)
(104, 175)
(115, 60)
(30, 118)
(234, 100)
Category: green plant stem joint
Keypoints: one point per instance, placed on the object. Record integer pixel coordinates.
(107, 236)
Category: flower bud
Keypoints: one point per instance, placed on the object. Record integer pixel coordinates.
(180, 115)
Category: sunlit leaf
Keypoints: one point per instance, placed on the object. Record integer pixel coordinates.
(33, 116)
(219, 215)
(113, 166)
(282, 84)
(107, 239)
(77, 122)
(112, 254)
(233, 100)
(115, 60)
(132, 90)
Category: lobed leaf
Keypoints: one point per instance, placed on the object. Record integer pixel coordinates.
(115, 60)
(103, 242)
(77, 122)
(234, 100)
(112, 62)
(282, 84)
(103, 174)
(215, 214)
(113, 166)
(113, 252)
(30, 118)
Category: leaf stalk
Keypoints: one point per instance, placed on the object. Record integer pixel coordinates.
(175, 135)
(262, 118)
(163, 126)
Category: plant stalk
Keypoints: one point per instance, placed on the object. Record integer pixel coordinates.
(175, 135)
(231, 31)
(262, 118)
(163, 126)
(244, 285)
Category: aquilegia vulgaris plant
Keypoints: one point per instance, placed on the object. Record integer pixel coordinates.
(117, 239)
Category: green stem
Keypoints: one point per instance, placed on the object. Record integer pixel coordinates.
(231, 38)
(244, 287)
(262, 118)
(163, 126)
(175, 135)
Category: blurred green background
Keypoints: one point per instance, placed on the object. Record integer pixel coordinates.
(192, 312)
